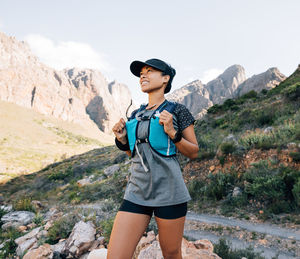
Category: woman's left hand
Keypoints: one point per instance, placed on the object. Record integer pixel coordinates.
(166, 119)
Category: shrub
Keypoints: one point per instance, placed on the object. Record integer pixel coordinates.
(9, 248)
(222, 248)
(195, 188)
(295, 156)
(219, 185)
(264, 184)
(62, 175)
(106, 227)
(296, 192)
(228, 147)
(251, 94)
(23, 204)
(292, 92)
(62, 228)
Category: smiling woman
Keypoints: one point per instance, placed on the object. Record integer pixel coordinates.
(152, 136)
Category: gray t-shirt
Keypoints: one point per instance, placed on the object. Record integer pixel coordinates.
(162, 184)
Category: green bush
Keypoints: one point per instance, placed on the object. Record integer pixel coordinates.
(222, 248)
(292, 92)
(264, 184)
(62, 228)
(219, 185)
(23, 204)
(106, 227)
(296, 192)
(295, 156)
(251, 94)
(9, 248)
(228, 147)
(195, 188)
(62, 175)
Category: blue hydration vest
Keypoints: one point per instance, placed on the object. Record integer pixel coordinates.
(158, 140)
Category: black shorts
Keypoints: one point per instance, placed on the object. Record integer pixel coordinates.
(164, 212)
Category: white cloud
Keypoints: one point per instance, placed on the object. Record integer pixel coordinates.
(1, 25)
(66, 54)
(210, 74)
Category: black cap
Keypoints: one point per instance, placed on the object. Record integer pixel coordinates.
(136, 67)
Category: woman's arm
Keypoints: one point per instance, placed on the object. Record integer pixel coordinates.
(188, 145)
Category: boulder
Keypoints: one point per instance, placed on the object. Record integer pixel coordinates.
(111, 170)
(83, 182)
(190, 250)
(42, 252)
(98, 254)
(20, 217)
(236, 192)
(29, 235)
(80, 240)
(26, 245)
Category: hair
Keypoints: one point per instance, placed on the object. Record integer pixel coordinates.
(171, 74)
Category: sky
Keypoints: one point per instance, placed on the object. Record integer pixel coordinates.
(200, 39)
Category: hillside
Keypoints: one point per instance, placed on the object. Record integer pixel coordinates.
(250, 153)
(248, 167)
(29, 141)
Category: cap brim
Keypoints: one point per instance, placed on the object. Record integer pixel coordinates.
(136, 67)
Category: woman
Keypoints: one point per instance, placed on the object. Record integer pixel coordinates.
(151, 137)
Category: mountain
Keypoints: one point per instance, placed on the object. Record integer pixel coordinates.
(194, 96)
(76, 95)
(231, 83)
(266, 80)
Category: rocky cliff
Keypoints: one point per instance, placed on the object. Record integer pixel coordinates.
(231, 83)
(266, 80)
(80, 96)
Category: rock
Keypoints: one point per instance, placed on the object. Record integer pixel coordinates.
(7, 208)
(58, 248)
(83, 182)
(42, 252)
(42, 233)
(98, 254)
(204, 244)
(37, 204)
(268, 129)
(266, 80)
(84, 256)
(26, 245)
(31, 225)
(80, 240)
(11, 225)
(29, 235)
(22, 228)
(190, 250)
(151, 251)
(236, 192)
(144, 241)
(111, 170)
(194, 96)
(82, 96)
(291, 146)
(48, 225)
(230, 138)
(20, 217)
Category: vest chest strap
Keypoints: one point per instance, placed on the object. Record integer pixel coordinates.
(145, 140)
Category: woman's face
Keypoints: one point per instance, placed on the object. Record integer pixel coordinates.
(152, 79)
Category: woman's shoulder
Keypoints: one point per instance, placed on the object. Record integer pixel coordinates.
(179, 107)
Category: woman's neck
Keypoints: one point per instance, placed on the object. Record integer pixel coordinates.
(155, 100)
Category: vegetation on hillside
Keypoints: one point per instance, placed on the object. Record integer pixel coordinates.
(260, 122)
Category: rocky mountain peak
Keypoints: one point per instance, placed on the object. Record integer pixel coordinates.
(225, 84)
(76, 95)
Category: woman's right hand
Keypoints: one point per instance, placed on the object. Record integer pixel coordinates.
(120, 132)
